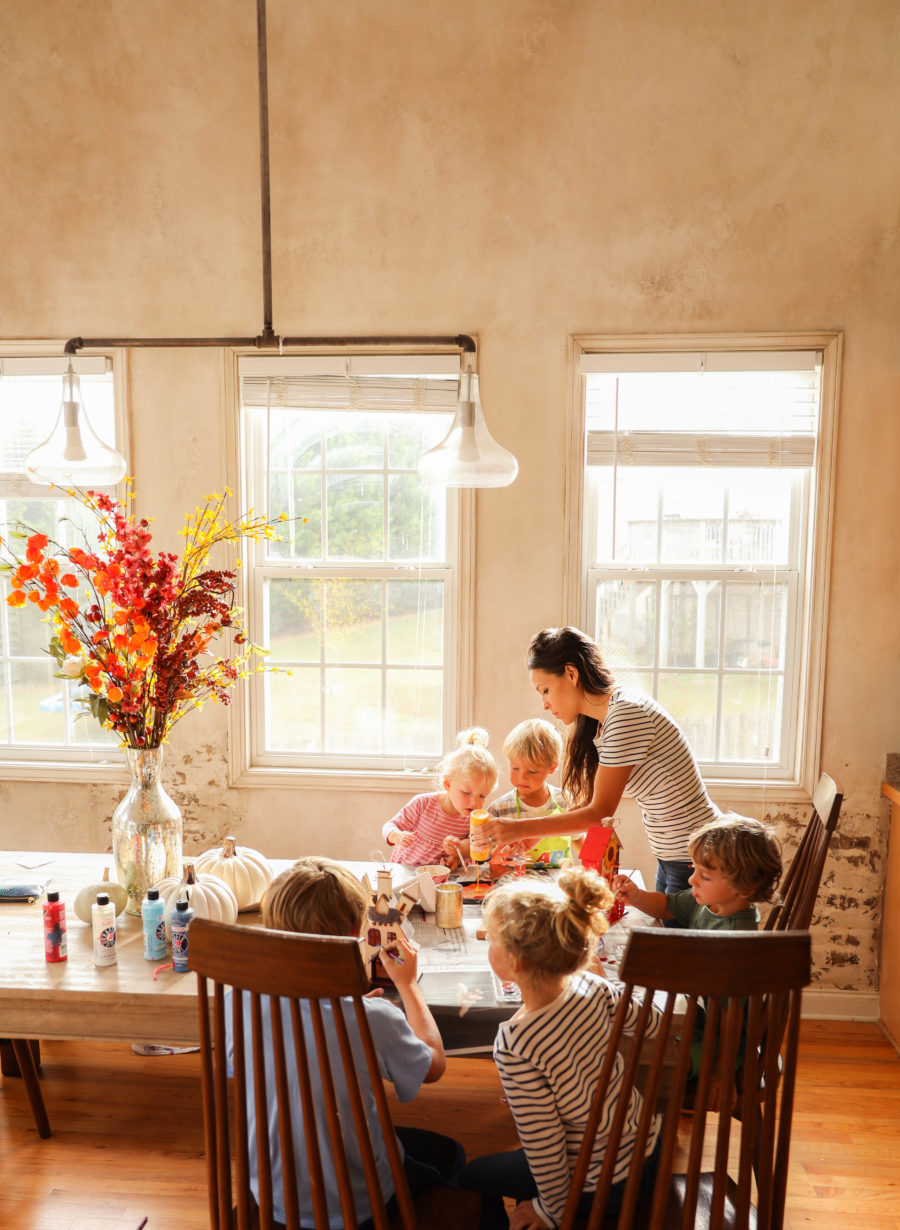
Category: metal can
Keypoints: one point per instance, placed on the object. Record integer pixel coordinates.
(448, 910)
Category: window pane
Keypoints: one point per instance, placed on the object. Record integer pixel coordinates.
(691, 700)
(751, 724)
(37, 703)
(295, 441)
(693, 517)
(415, 628)
(414, 706)
(355, 442)
(412, 435)
(626, 622)
(294, 620)
(755, 625)
(353, 618)
(355, 517)
(759, 516)
(416, 519)
(689, 626)
(293, 711)
(353, 712)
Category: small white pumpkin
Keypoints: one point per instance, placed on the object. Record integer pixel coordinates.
(209, 896)
(88, 895)
(246, 872)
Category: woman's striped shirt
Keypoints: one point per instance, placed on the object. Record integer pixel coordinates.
(549, 1062)
(665, 781)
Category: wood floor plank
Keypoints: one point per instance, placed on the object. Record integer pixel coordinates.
(127, 1137)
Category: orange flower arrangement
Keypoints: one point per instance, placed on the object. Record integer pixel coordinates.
(135, 627)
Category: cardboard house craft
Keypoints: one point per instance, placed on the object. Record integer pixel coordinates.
(385, 917)
(601, 850)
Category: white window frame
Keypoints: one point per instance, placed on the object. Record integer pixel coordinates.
(797, 782)
(247, 766)
(47, 762)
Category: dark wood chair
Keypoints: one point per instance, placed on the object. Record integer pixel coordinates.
(21, 1057)
(735, 975)
(800, 885)
(317, 1049)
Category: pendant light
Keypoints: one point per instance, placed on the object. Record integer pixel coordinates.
(468, 456)
(73, 455)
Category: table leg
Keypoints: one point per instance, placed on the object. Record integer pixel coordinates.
(25, 1059)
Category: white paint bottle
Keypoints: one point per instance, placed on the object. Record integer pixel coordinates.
(103, 923)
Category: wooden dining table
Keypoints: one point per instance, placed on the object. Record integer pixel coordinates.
(142, 1001)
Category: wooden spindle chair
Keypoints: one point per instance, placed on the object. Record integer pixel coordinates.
(733, 975)
(294, 985)
(800, 885)
(21, 1057)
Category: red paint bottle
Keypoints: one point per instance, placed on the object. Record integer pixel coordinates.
(55, 946)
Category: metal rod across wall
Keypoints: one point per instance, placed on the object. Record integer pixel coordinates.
(268, 339)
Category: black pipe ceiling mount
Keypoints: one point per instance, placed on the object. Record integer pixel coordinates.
(268, 339)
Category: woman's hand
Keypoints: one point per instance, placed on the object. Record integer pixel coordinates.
(504, 832)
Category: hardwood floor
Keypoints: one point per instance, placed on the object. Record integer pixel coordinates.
(128, 1142)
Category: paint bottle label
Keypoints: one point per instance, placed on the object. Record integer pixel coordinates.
(103, 923)
(153, 920)
(55, 941)
(182, 916)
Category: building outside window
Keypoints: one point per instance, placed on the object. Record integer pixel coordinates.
(706, 508)
(41, 719)
(358, 602)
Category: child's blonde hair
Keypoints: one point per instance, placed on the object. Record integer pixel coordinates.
(746, 851)
(549, 926)
(316, 896)
(536, 742)
(469, 756)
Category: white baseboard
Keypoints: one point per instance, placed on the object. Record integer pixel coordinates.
(825, 1004)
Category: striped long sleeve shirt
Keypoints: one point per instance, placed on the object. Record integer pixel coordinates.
(549, 1062)
(665, 780)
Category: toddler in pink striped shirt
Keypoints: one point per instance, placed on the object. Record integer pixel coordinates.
(467, 774)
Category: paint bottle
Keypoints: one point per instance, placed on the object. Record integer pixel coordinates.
(153, 919)
(479, 847)
(55, 944)
(103, 924)
(181, 921)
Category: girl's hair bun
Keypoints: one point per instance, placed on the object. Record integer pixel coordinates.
(474, 735)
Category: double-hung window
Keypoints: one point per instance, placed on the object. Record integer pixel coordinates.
(358, 599)
(41, 719)
(706, 508)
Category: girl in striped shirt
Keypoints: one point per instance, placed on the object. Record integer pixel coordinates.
(468, 774)
(549, 1054)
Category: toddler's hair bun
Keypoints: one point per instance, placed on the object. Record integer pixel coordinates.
(474, 735)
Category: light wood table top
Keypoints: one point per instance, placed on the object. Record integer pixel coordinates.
(76, 1000)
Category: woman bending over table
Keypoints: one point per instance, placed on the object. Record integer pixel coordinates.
(620, 738)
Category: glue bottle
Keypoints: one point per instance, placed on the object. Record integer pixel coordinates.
(479, 847)
(181, 921)
(153, 918)
(55, 944)
(103, 922)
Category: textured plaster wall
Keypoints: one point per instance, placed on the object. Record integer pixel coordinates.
(516, 169)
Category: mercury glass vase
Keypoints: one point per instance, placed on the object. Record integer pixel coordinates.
(146, 829)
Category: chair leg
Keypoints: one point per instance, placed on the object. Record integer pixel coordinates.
(25, 1059)
(8, 1063)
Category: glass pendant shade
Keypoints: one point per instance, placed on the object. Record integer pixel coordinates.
(73, 455)
(468, 456)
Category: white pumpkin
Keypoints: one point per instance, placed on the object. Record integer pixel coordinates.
(246, 872)
(209, 896)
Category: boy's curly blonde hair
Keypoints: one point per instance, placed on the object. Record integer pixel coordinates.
(746, 851)
(536, 742)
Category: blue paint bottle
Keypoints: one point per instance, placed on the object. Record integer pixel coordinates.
(181, 922)
(153, 918)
